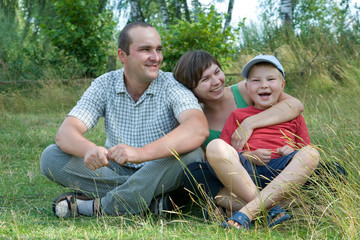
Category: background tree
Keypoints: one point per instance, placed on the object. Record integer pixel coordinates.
(196, 8)
(136, 14)
(164, 14)
(82, 30)
(44, 36)
(10, 39)
(186, 10)
(286, 11)
(160, 11)
(23, 56)
(206, 34)
(32, 11)
(229, 13)
(8, 8)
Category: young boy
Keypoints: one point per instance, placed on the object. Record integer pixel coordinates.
(264, 82)
(269, 160)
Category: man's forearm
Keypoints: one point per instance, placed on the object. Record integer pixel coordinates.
(188, 136)
(76, 146)
(70, 137)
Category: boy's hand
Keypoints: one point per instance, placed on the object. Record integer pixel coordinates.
(259, 157)
(285, 150)
(123, 153)
(241, 135)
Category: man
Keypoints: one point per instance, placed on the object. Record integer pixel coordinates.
(149, 118)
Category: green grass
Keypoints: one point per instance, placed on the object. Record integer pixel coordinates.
(30, 117)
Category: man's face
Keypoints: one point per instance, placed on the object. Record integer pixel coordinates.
(144, 60)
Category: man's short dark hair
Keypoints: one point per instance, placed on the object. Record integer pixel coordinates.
(124, 39)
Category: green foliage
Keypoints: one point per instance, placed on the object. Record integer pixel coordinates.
(314, 13)
(82, 31)
(206, 34)
(30, 55)
(8, 8)
(151, 10)
(20, 59)
(324, 39)
(325, 36)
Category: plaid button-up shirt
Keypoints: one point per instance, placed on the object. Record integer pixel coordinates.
(134, 123)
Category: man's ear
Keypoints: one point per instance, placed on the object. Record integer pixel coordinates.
(122, 55)
(246, 86)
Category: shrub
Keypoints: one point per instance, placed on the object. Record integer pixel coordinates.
(82, 31)
(205, 34)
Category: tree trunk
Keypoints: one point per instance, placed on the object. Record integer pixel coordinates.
(136, 14)
(229, 14)
(9, 7)
(102, 5)
(187, 12)
(196, 5)
(286, 12)
(28, 17)
(178, 9)
(164, 13)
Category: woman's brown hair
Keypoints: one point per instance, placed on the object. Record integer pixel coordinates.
(191, 65)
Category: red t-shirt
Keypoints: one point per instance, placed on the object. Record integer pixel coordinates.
(272, 137)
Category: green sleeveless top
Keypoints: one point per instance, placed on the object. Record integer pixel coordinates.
(240, 103)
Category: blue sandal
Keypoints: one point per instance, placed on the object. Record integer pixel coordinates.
(240, 218)
(274, 212)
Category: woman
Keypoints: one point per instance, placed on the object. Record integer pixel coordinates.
(202, 73)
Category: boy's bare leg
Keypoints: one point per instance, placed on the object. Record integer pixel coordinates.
(225, 161)
(295, 174)
(229, 201)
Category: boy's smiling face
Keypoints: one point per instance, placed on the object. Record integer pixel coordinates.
(264, 85)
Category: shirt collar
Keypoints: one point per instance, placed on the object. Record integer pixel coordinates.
(120, 84)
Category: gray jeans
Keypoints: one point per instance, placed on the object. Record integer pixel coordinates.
(122, 190)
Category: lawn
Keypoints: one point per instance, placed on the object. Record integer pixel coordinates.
(29, 118)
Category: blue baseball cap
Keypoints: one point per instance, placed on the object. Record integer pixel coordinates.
(262, 58)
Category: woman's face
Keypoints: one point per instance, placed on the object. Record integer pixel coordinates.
(211, 85)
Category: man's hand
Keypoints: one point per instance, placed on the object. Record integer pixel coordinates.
(259, 157)
(241, 135)
(123, 153)
(285, 150)
(96, 158)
